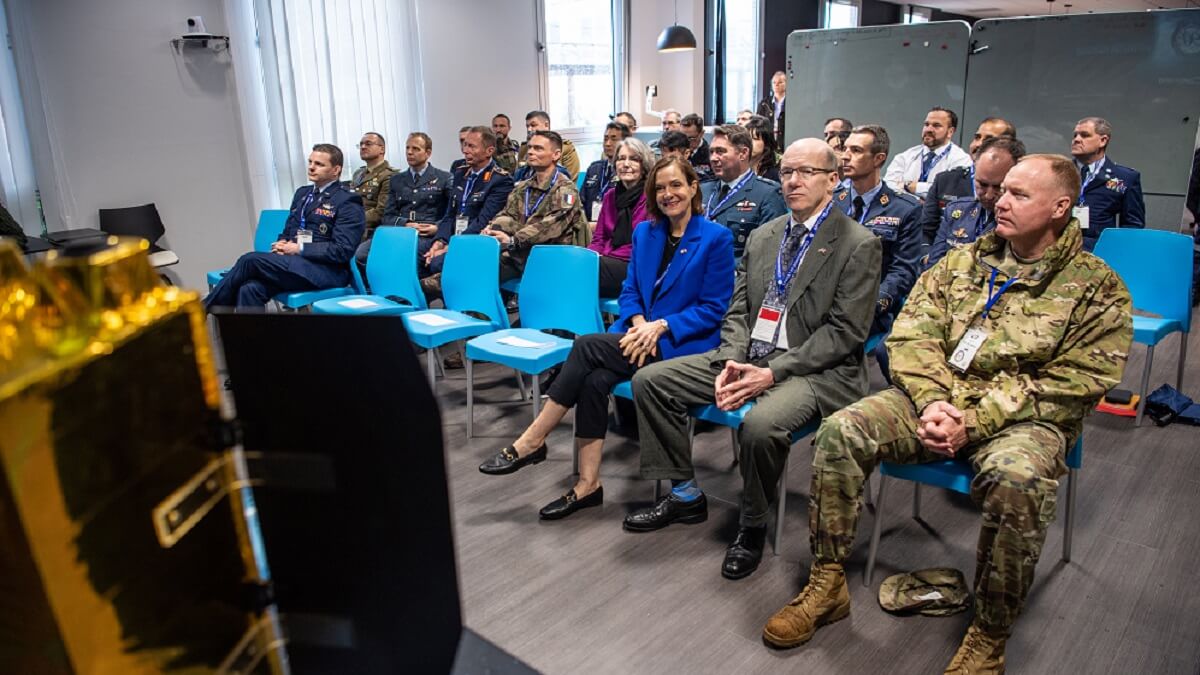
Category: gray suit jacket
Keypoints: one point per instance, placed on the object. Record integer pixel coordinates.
(829, 308)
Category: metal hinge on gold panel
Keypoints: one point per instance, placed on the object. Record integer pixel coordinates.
(263, 638)
(176, 515)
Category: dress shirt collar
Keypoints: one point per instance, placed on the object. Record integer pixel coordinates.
(868, 196)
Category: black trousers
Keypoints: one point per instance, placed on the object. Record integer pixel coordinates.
(593, 367)
(612, 276)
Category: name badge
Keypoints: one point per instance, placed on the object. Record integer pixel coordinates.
(967, 347)
(595, 215)
(1081, 214)
(460, 224)
(767, 326)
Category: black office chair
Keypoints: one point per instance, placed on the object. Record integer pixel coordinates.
(140, 221)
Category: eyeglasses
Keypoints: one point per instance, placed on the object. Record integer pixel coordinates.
(367, 144)
(805, 172)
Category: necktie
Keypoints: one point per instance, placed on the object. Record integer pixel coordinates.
(761, 348)
(859, 207)
(416, 176)
(927, 165)
(1083, 174)
(723, 192)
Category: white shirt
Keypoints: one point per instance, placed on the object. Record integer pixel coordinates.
(906, 166)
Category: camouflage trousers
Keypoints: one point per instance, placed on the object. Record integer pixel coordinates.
(1015, 484)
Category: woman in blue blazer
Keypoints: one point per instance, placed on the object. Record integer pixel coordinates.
(676, 291)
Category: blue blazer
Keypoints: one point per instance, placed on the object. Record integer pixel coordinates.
(336, 221)
(1114, 198)
(694, 292)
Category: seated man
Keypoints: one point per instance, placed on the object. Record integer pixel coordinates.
(506, 148)
(600, 173)
(692, 126)
(1003, 348)
(539, 120)
(480, 190)
(957, 183)
(324, 226)
(738, 198)
(791, 342)
(674, 144)
(965, 220)
(1111, 195)
(371, 181)
(543, 209)
(913, 170)
(891, 216)
(418, 198)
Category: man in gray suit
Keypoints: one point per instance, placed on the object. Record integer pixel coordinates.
(791, 343)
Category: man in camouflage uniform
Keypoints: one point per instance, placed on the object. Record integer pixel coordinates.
(371, 181)
(506, 148)
(1002, 349)
(542, 209)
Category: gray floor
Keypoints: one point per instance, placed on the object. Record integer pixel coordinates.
(583, 596)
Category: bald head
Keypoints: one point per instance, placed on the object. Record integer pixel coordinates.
(809, 174)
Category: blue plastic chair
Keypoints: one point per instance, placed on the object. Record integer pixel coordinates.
(470, 283)
(392, 274)
(956, 475)
(579, 180)
(733, 419)
(610, 306)
(1156, 267)
(557, 281)
(270, 225)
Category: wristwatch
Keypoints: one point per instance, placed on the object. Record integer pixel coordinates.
(666, 326)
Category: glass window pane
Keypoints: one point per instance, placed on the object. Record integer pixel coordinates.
(841, 14)
(741, 56)
(579, 54)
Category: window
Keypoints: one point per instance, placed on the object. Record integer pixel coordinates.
(914, 14)
(741, 57)
(841, 13)
(581, 91)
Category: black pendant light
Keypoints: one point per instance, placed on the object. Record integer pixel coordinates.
(676, 38)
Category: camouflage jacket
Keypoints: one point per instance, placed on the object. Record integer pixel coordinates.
(555, 216)
(1056, 340)
(506, 154)
(372, 186)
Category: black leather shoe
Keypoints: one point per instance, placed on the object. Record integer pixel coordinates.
(569, 503)
(669, 509)
(744, 554)
(507, 461)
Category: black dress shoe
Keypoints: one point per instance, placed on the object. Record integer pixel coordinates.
(569, 503)
(507, 461)
(669, 509)
(744, 554)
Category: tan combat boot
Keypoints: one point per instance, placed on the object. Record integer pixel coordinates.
(979, 654)
(824, 600)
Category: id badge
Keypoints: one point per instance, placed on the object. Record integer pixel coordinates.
(1081, 214)
(767, 323)
(303, 237)
(967, 347)
(460, 224)
(595, 216)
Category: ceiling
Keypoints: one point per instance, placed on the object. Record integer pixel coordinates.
(1002, 8)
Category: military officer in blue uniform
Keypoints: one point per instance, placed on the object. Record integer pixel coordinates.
(957, 183)
(1111, 195)
(965, 220)
(418, 198)
(738, 198)
(891, 216)
(480, 191)
(599, 176)
(324, 226)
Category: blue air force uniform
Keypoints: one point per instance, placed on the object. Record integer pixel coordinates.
(963, 221)
(751, 201)
(895, 219)
(949, 185)
(477, 195)
(420, 199)
(336, 219)
(1114, 199)
(599, 177)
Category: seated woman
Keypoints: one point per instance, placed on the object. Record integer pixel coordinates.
(621, 209)
(764, 155)
(679, 284)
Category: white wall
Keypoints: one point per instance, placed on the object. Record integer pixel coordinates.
(123, 120)
(679, 76)
(478, 58)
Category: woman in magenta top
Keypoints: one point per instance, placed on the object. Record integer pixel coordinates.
(622, 208)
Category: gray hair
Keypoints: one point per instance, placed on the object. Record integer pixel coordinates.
(1103, 128)
(639, 149)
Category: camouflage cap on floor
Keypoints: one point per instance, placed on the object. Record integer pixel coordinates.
(940, 591)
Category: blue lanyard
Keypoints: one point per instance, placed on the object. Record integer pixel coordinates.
(782, 282)
(304, 207)
(981, 224)
(936, 158)
(709, 209)
(993, 297)
(605, 180)
(471, 178)
(972, 179)
(529, 211)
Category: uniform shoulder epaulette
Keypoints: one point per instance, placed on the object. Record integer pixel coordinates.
(906, 197)
(768, 181)
(501, 170)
